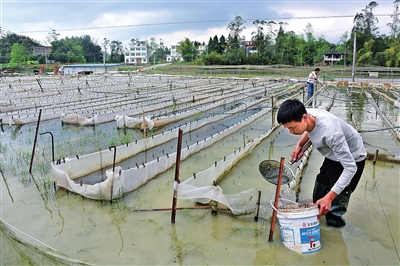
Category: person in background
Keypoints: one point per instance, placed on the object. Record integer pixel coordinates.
(344, 153)
(312, 78)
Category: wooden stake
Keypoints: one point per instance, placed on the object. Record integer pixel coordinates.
(177, 165)
(34, 142)
(376, 156)
(258, 206)
(278, 190)
(144, 124)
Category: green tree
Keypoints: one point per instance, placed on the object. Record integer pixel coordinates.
(222, 44)
(91, 50)
(116, 52)
(365, 55)
(18, 54)
(395, 24)
(278, 47)
(80, 58)
(213, 44)
(51, 36)
(152, 49)
(83, 45)
(365, 25)
(161, 53)
(392, 54)
(267, 49)
(187, 50)
(258, 37)
(308, 46)
(104, 46)
(235, 28)
(8, 39)
(322, 45)
(212, 58)
(71, 57)
(235, 54)
(343, 46)
(292, 49)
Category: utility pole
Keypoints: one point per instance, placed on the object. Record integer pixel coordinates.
(105, 44)
(45, 55)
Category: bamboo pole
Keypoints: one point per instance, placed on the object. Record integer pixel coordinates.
(278, 189)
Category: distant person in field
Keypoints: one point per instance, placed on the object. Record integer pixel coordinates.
(311, 80)
(342, 147)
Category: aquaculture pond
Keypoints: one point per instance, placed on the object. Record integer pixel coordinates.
(41, 225)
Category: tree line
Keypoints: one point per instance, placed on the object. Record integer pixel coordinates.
(270, 44)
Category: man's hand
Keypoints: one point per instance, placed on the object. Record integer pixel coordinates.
(325, 203)
(296, 154)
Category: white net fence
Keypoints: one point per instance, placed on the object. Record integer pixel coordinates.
(198, 188)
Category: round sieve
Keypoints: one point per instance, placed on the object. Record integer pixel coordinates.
(269, 169)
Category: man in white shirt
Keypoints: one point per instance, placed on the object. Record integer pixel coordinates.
(342, 147)
(312, 78)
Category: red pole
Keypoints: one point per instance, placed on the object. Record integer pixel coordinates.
(177, 165)
(278, 190)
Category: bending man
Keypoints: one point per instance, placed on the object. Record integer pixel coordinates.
(344, 153)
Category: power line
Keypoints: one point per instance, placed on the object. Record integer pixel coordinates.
(199, 21)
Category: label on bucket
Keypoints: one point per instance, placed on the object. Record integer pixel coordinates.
(287, 235)
(310, 239)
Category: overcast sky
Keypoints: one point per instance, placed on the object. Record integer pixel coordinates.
(173, 20)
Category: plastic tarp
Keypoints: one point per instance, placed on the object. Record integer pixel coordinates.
(130, 122)
(33, 254)
(76, 119)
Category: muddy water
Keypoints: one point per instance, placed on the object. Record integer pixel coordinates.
(116, 234)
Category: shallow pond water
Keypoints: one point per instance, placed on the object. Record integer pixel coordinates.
(97, 232)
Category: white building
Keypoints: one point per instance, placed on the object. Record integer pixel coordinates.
(137, 54)
(88, 68)
(332, 57)
(174, 55)
(201, 49)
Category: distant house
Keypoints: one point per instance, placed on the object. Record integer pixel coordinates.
(201, 49)
(137, 54)
(174, 55)
(88, 68)
(250, 47)
(331, 57)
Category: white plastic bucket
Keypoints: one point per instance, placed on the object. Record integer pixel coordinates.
(299, 227)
